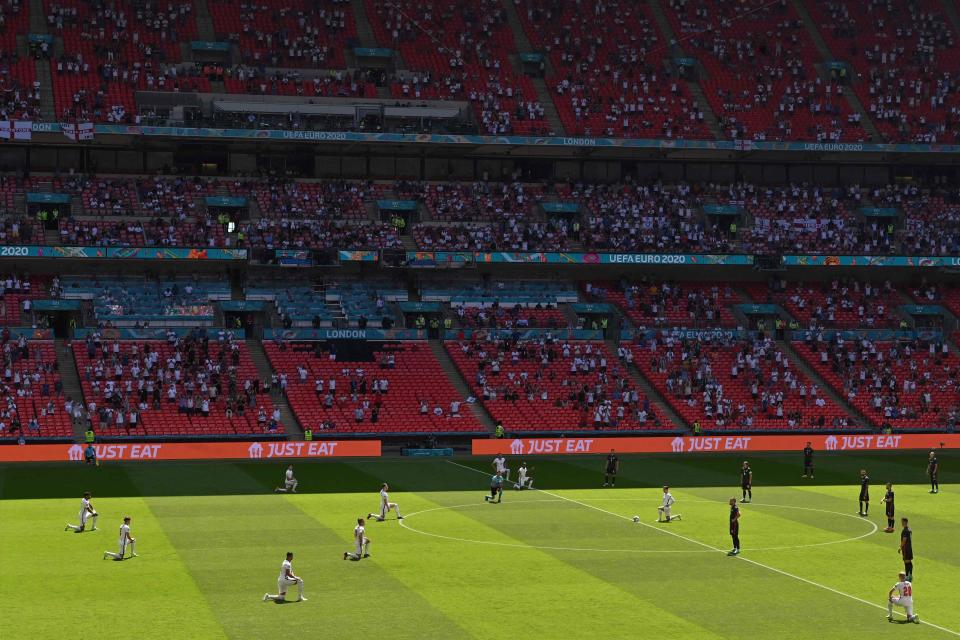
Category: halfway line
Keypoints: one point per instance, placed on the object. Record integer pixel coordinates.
(703, 544)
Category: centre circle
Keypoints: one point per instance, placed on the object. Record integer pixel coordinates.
(405, 523)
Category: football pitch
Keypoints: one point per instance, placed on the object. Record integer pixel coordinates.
(563, 561)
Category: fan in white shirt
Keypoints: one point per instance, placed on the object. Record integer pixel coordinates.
(126, 540)
(663, 511)
(289, 482)
(385, 505)
(287, 579)
(86, 512)
(361, 543)
(904, 598)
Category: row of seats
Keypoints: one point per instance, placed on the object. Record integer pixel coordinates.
(346, 394)
(511, 216)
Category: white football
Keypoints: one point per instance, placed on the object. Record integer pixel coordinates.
(636, 518)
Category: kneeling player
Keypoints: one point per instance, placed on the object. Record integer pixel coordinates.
(86, 512)
(126, 540)
(287, 579)
(360, 541)
(496, 489)
(524, 481)
(663, 511)
(385, 506)
(904, 598)
(289, 482)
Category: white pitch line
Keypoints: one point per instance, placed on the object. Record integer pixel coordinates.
(405, 523)
(703, 544)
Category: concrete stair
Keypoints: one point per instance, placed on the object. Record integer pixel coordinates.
(463, 389)
(44, 75)
(259, 357)
(950, 10)
(855, 416)
(364, 30)
(656, 398)
(70, 377)
(205, 30)
(676, 47)
(523, 44)
(549, 109)
(38, 17)
(826, 55)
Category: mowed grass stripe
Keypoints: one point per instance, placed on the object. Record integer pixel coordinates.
(234, 545)
(58, 583)
(865, 568)
(809, 597)
(702, 588)
(483, 589)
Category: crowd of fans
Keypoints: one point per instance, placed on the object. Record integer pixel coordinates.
(510, 215)
(738, 383)
(542, 383)
(139, 388)
(895, 384)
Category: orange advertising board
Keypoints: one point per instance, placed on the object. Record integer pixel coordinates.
(146, 451)
(713, 443)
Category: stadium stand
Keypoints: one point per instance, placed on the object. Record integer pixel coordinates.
(904, 385)
(194, 386)
(735, 384)
(544, 385)
(397, 388)
(32, 391)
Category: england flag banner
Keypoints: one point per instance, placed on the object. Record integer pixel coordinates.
(77, 131)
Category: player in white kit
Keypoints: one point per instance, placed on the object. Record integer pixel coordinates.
(904, 598)
(287, 579)
(289, 482)
(385, 506)
(663, 511)
(87, 512)
(126, 540)
(500, 466)
(524, 480)
(360, 542)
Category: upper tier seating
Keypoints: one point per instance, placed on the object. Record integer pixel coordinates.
(609, 77)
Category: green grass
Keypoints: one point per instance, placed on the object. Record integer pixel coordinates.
(565, 562)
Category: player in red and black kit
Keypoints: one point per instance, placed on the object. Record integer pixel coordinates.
(864, 493)
(906, 548)
(888, 502)
(734, 527)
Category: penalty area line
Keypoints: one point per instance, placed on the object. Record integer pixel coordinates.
(708, 546)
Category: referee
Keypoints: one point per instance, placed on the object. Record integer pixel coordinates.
(734, 527)
(933, 470)
(808, 461)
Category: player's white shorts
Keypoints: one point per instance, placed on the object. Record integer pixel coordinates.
(385, 508)
(290, 484)
(283, 583)
(122, 549)
(903, 601)
(359, 546)
(84, 516)
(665, 511)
